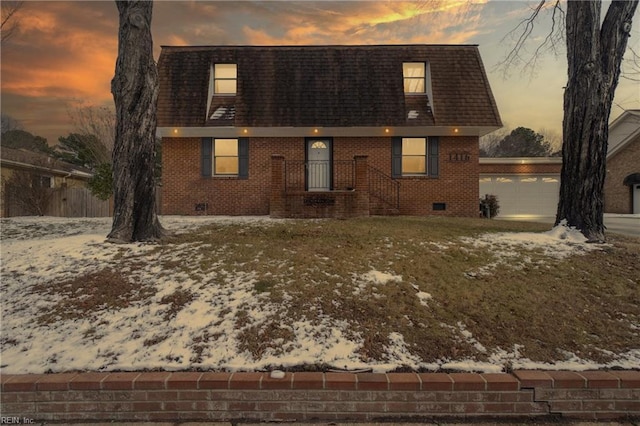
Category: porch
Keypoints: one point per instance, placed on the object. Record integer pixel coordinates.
(331, 189)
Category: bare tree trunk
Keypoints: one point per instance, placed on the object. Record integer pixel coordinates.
(594, 54)
(135, 91)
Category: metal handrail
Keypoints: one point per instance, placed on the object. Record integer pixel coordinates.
(384, 187)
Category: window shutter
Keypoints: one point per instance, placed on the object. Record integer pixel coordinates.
(396, 157)
(206, 160)
(433, 156)
(243, 158)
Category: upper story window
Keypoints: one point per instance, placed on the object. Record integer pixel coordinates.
(414, 75)
(225, 79)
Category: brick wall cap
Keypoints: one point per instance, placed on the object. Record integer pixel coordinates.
(211, 380)
(436, 381)
(120, 381)
(87, 381)
(308, 380)
(20, 382)
(372, 381)
(499, 381)
(404, 381)
(628, 378)
(51, 382)
(152, 380)
(600, 379)
(245, 381)
(567, 379)
(468, 381)
(184, 380)
(533, 378)
(341, 381)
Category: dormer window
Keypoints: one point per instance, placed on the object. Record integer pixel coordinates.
(225, 78)
(414, 75)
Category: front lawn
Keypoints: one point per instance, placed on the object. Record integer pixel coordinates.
(254, 293)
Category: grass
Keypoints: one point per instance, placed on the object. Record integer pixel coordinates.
(543, 307)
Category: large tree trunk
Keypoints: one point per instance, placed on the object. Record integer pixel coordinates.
(135, 91)
(594, 54)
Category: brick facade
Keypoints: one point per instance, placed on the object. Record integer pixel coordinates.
(617, 196)
(309, 396)
(183, 187)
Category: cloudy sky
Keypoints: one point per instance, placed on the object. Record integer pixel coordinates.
(63, 53)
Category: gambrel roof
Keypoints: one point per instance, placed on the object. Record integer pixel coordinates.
(331, 86)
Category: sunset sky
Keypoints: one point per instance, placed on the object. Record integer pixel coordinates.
(64, 53)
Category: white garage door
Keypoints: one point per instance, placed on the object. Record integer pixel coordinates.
(523, 195)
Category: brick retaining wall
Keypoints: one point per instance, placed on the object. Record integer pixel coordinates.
(190, 396)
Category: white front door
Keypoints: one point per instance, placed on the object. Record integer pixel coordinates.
(318, 165)
(636, 199)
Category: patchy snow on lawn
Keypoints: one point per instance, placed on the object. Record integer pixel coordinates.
(205, 332)
(560, 242)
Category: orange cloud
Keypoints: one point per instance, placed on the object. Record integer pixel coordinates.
(373, 22)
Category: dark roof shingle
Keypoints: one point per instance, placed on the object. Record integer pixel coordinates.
(329, 86)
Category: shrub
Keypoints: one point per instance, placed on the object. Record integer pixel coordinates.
(489, 203)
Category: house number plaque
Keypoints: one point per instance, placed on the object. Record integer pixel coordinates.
(459, 156)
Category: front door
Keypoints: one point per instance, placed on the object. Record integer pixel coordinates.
(319, 164)
(636, 199)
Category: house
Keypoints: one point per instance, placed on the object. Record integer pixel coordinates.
(323, 131)
(30, 179)
(622, 182)
(529, 187)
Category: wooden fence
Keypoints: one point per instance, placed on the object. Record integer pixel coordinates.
(62, 202)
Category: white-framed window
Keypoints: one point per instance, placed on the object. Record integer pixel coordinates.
(225, 157)
(414, 156)
(414, 75)
(225, 79)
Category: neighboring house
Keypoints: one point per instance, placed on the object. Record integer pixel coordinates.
(25, 174)
(322, 131)
(529, 187)
(525, 187)
(622, 183)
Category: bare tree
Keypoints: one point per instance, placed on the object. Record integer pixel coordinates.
(9, 22)
(9, 123)
(29, 191)
(135, 92)
(99, 121)
(594, 54)
(595, 49)
(489, 142)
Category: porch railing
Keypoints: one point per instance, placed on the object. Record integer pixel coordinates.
(301, 175)
(384, 187)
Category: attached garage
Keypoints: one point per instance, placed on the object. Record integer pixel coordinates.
(524, 186)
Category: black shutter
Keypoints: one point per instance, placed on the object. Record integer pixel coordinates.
(243, 158)
(206, 160)
(396, 157)
(433, 156)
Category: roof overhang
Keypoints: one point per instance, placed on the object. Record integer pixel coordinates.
(520, 160)
(627, 138)
(53, 171)
(237, 132)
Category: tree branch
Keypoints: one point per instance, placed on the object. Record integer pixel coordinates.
(9, 25)
(525, 28)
